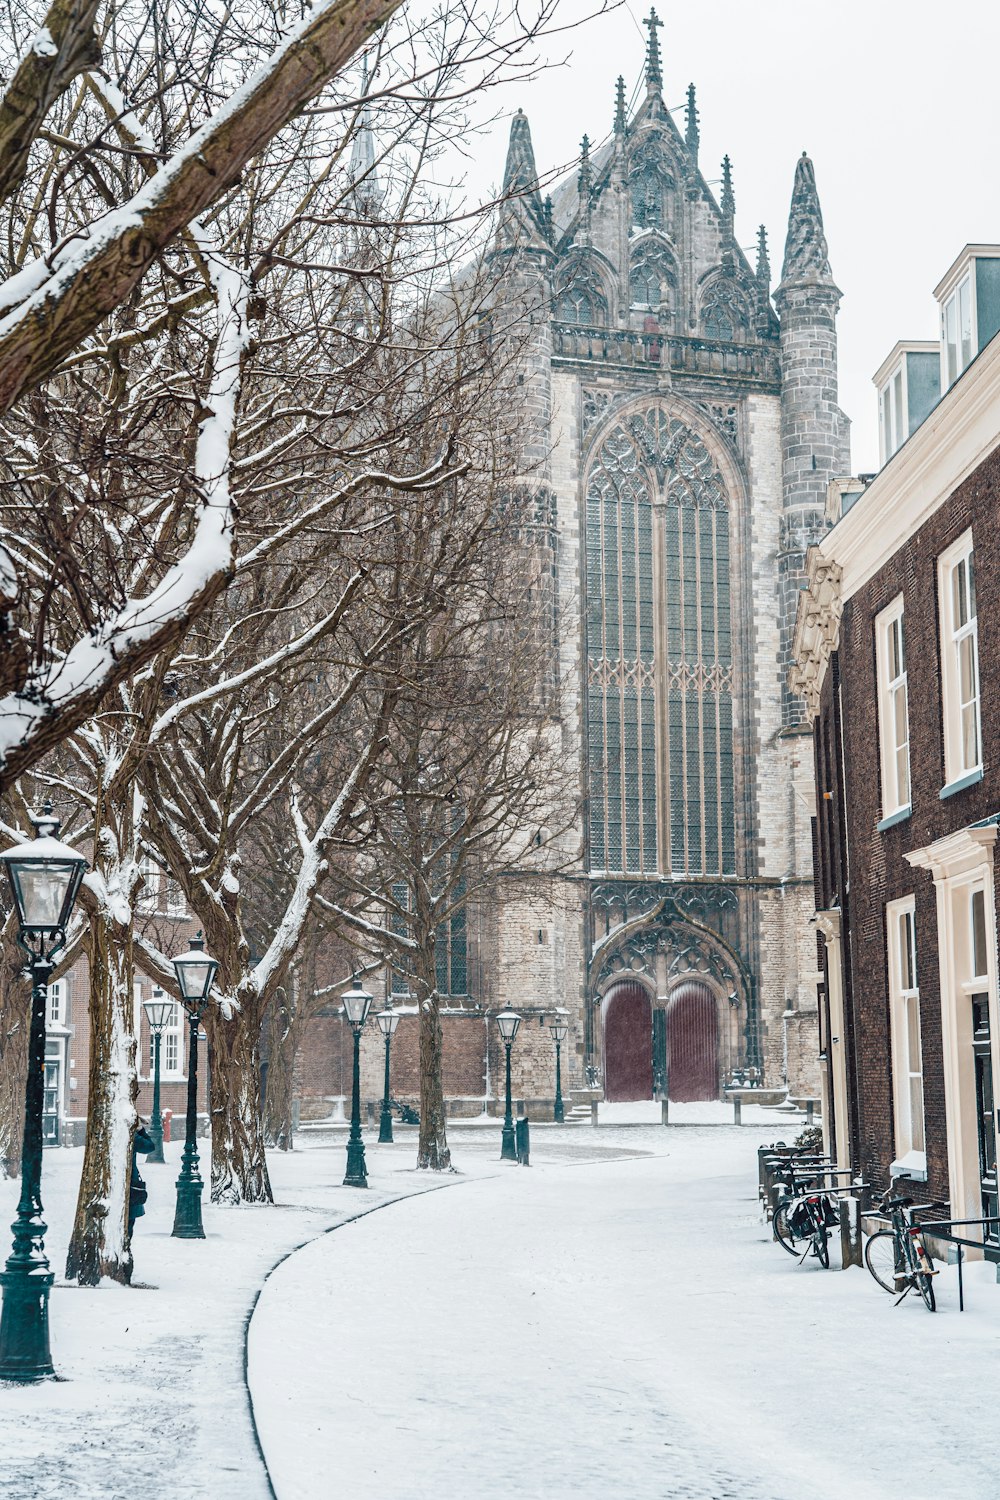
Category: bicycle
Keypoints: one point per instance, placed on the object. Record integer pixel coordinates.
(898, 1258)
(807, 1217)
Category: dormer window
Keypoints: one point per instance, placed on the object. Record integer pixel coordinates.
(892, 413)
(957, 347)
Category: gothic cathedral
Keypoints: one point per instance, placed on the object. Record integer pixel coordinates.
(683, 430)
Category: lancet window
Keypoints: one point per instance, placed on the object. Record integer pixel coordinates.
(660, 653)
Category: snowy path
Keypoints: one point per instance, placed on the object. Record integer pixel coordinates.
(619, 1331)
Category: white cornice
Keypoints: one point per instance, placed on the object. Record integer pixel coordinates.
(961, 431)
(905, 346)
(956, 853)
(958, 266)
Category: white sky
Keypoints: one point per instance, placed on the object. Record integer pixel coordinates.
(896, 101)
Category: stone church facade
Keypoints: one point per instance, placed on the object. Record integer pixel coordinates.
(683, 428)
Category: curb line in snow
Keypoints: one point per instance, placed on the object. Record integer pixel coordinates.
(363, 1213)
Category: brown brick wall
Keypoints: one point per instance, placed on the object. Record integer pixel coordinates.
(879, 872)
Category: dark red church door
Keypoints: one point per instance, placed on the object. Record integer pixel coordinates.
(692, 1043)
(628, 1044)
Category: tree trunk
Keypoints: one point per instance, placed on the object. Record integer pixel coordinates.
(239, 1165)
(432, 1151)
(278, 1128)
(99, 1245)
(15, 1004)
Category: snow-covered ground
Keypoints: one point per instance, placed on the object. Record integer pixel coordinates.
(622, 1330)
(613, 1322)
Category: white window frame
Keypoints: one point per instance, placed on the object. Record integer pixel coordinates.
(906, 1039)
(172, 1040)
(55, 1008)
(952, 368)
(958, 769)
(894, 755)
(148, 898)
(893, 412)
(176, 902)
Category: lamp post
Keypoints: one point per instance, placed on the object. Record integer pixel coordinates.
(158, 1011)
(357, 1004)
(388, 1020)
(560, 1030)
(195, 972)
(45, 877)
(508, 1021)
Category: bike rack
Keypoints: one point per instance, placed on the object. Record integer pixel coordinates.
(944, 1230)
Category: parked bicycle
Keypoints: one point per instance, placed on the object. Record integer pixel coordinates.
(805, 1218)
(898, 1258)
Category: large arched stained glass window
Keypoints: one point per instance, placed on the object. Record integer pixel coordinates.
(660, 664)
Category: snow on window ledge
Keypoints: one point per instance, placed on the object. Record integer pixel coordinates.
(913, 1164)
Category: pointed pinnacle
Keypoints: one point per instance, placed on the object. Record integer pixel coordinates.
(728, 201)
(692, 134)
(763, 259)
(620, 120)
(654, 72)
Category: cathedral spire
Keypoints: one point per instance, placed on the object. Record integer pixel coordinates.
(366, 190)
(654, 72)
(620, 119)
(692, 134)
(806, 255)
(521, 175)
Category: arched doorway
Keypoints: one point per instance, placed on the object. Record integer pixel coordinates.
(628, 1044)
(692, 1043)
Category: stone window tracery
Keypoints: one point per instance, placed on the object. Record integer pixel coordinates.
(724, 313)
(652, 277)
(581, 299)
(660, 715)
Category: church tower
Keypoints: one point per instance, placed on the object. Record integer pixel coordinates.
(682, 427)
(814, 441)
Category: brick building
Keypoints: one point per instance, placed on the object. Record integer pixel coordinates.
(895, 638)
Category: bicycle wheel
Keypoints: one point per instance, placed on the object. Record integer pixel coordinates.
(924, 1283)
(782, 1228)
(880, 1258)
(821, 1244)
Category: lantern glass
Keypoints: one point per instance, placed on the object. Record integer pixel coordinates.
(45, 877)
(559, 1031)
(158, 1011)
(357, 1003)
(195, 971)
(508, 1021)
(388, 1020)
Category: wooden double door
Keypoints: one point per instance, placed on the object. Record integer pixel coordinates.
(680, 1042)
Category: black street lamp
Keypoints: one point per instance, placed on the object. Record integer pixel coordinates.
(158, 1012)
(45, 877)
(357, 1004)
(508, 1021)
(388, 1020)
(195, 972)
(560, 1030)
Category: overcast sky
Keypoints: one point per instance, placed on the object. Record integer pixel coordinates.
(896, 101)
